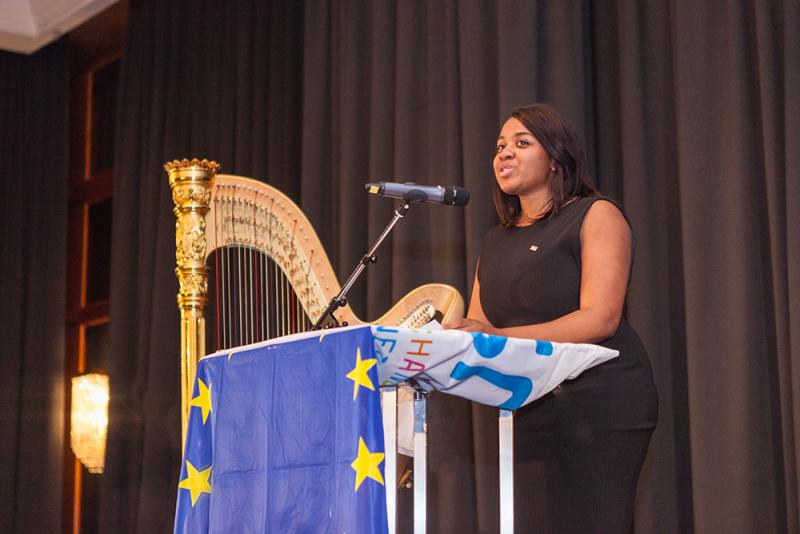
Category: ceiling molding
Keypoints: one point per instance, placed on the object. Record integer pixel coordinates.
(28, 25)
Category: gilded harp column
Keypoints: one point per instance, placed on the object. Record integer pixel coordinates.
(191, 183)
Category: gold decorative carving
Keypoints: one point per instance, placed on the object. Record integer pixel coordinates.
(183, 195)
(191, 181)
(192, 284)
(190, 240)
(180, 165)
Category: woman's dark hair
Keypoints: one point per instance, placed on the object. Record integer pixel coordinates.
(563, 144)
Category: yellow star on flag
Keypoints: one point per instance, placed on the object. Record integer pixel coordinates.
(367, 464)
(203, 399)
(359, 374)
(196, 481)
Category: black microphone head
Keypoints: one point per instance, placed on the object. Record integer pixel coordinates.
(455, 196)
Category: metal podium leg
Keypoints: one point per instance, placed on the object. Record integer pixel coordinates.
(506, 438)
(389, 398)
(420, 461)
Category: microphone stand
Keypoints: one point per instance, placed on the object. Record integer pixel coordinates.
(327, 319)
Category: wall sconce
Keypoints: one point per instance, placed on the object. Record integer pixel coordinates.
(89, 420)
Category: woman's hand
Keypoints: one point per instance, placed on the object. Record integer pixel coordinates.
(468, 325)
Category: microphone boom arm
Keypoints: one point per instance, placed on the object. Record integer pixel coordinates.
(328, 319)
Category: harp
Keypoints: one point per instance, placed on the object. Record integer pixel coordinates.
(270, 275)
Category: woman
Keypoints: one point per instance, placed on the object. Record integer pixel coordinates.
(557, 268)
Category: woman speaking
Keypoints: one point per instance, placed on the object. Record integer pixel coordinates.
(557, 268)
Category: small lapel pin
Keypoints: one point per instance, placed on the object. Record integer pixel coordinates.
(534, 248)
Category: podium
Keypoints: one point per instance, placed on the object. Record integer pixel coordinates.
(289, 434)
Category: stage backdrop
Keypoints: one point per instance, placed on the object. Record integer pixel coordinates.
(34, 142)
(690, 114)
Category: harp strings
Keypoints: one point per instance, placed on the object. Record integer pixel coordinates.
(217, 302)
(254, 298)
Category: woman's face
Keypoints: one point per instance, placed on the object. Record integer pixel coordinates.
(521, 164)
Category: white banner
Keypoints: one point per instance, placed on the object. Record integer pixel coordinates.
(498, 371)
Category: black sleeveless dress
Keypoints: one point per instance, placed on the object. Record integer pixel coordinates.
(579, 449)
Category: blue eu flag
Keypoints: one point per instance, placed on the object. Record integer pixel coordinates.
(286, 438)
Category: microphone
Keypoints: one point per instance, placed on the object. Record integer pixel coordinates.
(451, 195)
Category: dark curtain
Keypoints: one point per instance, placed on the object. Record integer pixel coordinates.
(690, 116)
(697, 109)
(34, 98)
